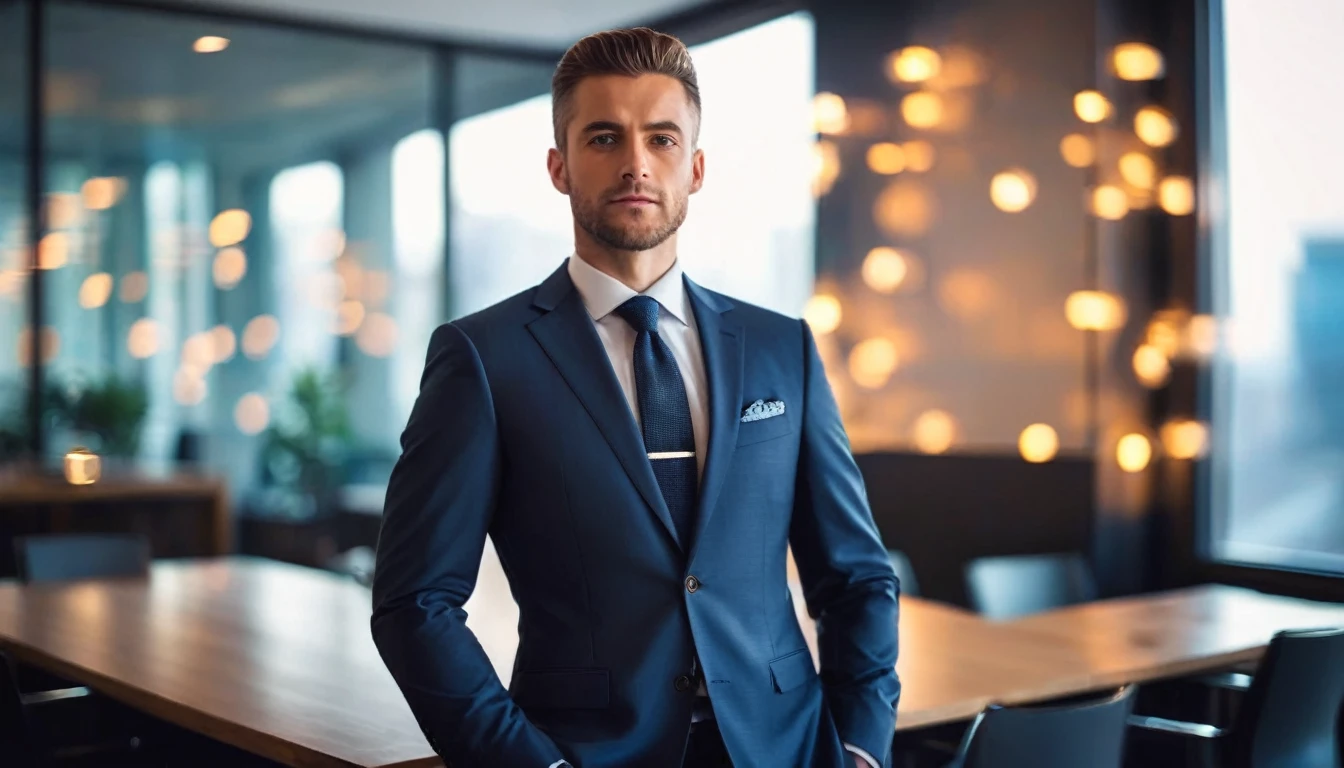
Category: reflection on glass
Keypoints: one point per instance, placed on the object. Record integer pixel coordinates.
(213, 230)
(1277, 427)
(510, 228)
(13, 231)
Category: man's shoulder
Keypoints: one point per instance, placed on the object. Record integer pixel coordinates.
(754, 317)
(505, 316)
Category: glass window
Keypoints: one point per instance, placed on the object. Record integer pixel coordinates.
(14, 349)
(236, 243)
(510, 228)
(1278, 277)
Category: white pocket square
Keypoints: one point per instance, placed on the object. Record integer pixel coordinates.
(763, 409)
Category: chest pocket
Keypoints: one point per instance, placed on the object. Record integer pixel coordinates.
(758, 431)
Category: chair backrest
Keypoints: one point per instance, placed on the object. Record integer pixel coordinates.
(1016, 585)
(1291, 713)
(81, 556)
(904, 573)
(1088, 732)
(13, 737)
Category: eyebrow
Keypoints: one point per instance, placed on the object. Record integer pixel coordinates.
(669, 126)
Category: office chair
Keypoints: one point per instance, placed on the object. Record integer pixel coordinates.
(1008, 587)
(81, 556)
(904, 572)
(1290, 715)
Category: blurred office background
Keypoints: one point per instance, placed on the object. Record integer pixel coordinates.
(1076, 268)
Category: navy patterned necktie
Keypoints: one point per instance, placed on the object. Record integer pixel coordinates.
(664, 413)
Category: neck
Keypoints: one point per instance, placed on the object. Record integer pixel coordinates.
(636, 269)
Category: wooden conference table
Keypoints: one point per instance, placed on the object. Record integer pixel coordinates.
(278, 659)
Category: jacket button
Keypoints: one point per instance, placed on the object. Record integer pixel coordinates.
(682, 683)
(692, 583)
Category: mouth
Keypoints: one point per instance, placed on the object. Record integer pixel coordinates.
(634, 200)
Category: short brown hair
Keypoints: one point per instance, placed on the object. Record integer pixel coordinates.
(630, 52)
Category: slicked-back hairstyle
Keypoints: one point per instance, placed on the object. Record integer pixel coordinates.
(630, 52)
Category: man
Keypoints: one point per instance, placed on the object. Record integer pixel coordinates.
(641, 452)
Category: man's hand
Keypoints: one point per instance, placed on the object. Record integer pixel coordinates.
(859, 762)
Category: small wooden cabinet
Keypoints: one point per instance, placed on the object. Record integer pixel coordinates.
(183, 514)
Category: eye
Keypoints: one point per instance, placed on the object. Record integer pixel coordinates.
(664, 140)
(604, 140)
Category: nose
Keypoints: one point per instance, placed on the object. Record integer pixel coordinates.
(635, 162)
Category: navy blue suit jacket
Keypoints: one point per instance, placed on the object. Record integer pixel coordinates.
(521, 432)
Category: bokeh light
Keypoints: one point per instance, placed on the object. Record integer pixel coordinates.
(1091, 106)
(224, 343)
(1038, 443)
(95, 290)
(377, 335)
(53, 251)
(1012, 190)
(1201, 336)
(210, 44)
(230, 227)
(872, 362)
(1137, 169)
(905, 208)
(349, 316)
(934, 431)
(1110, 202)
(922, 109)
(229, 268)
(914, 64)
(1176, 195)
(829, 114)
(142, 340)
(260, 335)
(1136, 61)
(1155, 126)
(823, 313)
(252, 414)
(1151, 366)
(886, 158)
(1094, 311)
(101, 193)
(1078, 150)
(64, 210)
(1185, 439)
(825, 168)
(189, 386)
(884, 269)
(1133, 452)
(134, 287)
(49, 345)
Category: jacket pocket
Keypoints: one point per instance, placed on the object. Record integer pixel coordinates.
(792, 670)
(563, 689)
(759, 431)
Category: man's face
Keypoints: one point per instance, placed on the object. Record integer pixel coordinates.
(629, 165)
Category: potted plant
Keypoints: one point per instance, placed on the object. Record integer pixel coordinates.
(307, 443)
(108, 413)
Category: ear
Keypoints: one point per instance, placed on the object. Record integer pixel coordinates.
(555, 164)
(697, 170)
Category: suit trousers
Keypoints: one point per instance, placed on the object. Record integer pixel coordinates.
(704, 748)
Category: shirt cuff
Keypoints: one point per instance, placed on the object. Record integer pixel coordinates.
(559, 763)
(867, 757)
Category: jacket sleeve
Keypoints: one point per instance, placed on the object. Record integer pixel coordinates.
(848, 582)
(439, 505)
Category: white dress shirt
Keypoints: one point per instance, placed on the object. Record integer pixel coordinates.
(602, 294)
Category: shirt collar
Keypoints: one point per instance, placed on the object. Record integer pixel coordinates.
(602, 293)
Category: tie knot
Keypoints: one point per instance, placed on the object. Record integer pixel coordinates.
(641, 312)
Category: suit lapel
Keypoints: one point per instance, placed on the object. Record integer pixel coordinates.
(567, 335)
(722, 342)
